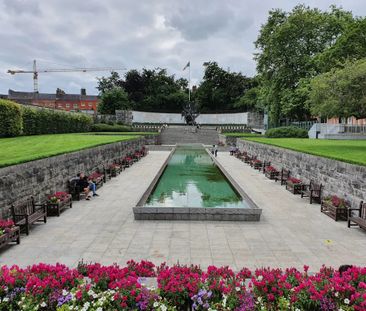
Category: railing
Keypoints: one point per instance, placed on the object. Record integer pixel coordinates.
(334, 129)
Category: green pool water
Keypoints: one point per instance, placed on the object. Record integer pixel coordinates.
(191, 179)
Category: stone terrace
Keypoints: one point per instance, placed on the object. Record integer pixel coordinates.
(291, 232)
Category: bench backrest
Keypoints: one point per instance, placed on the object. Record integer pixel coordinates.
(363, 210)
(285, 173)
(315, 187)
(25, 207)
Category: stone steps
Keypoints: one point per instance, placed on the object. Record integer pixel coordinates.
(189, 135)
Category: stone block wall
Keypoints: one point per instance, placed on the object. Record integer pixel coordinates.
(339, 178)
(45, 176)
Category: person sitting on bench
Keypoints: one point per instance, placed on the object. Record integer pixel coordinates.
(87, 185)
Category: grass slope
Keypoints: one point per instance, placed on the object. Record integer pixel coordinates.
(243, 134)
(351, 151)
(28, 148)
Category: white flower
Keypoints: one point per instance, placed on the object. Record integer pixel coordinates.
(163, 308)
(156, 304)
(340, 309)
(43, 304)
(64, 292)
(99, 309)
(336, 294)
(346, 301)
(95, 296)
(237, 289)
(297, 309)
(260, 278)
(6, 299)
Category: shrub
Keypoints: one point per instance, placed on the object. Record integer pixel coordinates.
(287, 132)
(10, 118)
(44, 121)
(102, 127)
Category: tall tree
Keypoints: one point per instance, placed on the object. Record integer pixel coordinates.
(288, 44)
(112, 100)
(340, 92)
(221, 89)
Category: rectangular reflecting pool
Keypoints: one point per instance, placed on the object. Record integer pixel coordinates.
(192, 186)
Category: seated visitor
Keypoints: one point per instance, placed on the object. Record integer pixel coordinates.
(87, 185)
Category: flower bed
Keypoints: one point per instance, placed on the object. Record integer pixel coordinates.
(57, 202)
(271, 172)
(294, 185)
(8, 232)
(97, 288)
(335, 207)
(257, 164)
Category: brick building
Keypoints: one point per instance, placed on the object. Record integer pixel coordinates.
(59, 100)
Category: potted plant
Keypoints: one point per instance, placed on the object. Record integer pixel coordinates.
(8, 232)
(271, 172)
(257, 164)
(335, 207)
(58, 201)
(294, 185)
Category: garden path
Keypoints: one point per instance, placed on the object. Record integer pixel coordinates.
(291, 231)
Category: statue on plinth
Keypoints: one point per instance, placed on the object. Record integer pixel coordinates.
(190, 113)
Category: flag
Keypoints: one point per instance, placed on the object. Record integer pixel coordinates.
(186, 66)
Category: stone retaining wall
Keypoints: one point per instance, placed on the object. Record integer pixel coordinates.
(340, 178)
(45, 176)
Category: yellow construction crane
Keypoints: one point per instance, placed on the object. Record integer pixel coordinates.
(36, 71)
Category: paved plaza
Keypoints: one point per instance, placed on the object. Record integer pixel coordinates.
(291, 231)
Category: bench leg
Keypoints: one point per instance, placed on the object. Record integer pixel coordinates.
(311, 200)
(45, 218)
(27, 229)
(18, 239)
(58, 213)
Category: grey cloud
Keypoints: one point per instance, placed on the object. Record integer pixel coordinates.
(135, 34)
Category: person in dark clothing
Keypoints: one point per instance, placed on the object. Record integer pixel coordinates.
(87, 185)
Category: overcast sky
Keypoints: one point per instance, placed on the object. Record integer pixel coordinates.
(131, 34)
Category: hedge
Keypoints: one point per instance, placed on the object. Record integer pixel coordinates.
(18, 120)
(10, 118)
(287, 132)
(102, 127)
(44, 121)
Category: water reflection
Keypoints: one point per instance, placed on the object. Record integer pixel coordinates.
(192, 180)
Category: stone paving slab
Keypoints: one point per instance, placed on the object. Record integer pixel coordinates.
(291, 231)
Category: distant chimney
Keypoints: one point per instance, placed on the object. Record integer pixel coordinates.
(83, 92)
(59, 92)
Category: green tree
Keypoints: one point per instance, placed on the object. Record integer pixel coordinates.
(340, 92)
(112, 100)
(221, 89)
(288, 45)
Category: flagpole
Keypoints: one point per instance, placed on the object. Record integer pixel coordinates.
(189, 82)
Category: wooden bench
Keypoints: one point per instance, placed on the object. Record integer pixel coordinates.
(313, 191)
(27, 212)
(283, 176)
(13, 235)
(113, 170)
(74, 189)
(265, 164)
(271, 173)
(360, 218)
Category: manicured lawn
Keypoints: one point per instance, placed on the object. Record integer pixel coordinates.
(27, 148)
(242, 134)
(351, 151)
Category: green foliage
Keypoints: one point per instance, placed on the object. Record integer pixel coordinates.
(289, 45)
(149, 90)
(340, 92)
(43, 121)
(100, 127)
(10, 118)
(287, 132)
(222, 90)
(113, 99)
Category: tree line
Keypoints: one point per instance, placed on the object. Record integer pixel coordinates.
(310, 63)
